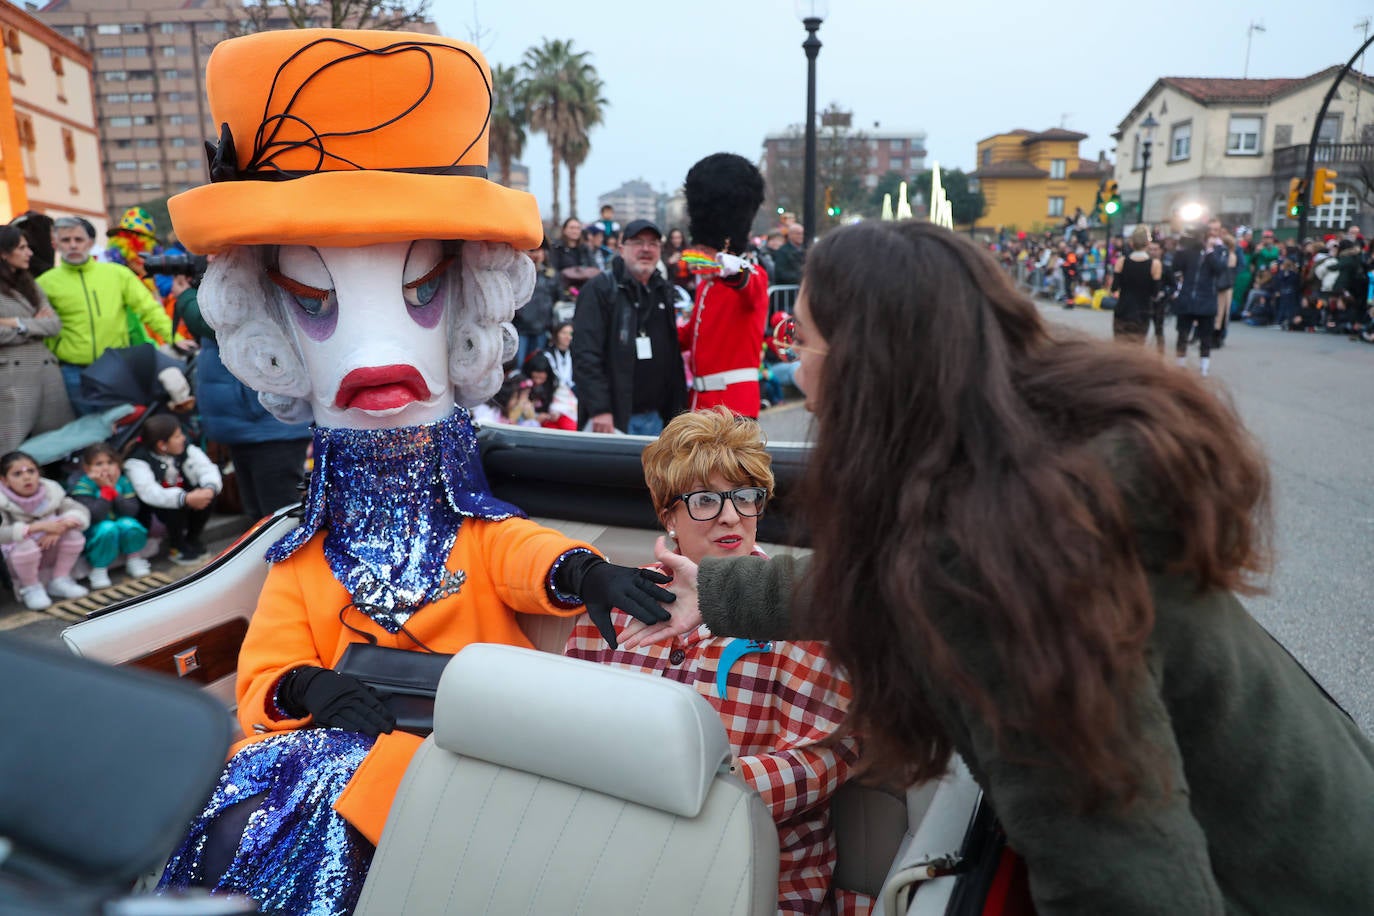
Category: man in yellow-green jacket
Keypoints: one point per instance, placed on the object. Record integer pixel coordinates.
(93, 300)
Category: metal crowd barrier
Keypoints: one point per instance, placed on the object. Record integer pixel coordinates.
(782, 297)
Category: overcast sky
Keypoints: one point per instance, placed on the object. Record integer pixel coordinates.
(688, 79)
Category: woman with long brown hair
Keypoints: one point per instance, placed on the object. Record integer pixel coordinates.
(1027, 546)
(33, 398)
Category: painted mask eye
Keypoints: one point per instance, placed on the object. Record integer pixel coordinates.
(312, 301)
(422, 283)
(316, 310)
(421, 292)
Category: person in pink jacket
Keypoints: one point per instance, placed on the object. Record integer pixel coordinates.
(40, 525)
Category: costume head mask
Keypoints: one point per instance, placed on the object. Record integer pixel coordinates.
(368, 269)
(135, 234)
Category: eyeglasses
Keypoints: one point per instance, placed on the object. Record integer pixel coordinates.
(706, 505)
(785, 341)
(643, 243)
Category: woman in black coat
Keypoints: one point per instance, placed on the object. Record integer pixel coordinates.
(1199, 266)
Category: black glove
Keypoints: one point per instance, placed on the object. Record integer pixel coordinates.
(335, 700)
(603, 586)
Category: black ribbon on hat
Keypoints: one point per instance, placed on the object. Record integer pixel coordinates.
(224, 165)
(222, 157)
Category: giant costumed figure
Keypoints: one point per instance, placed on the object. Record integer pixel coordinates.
(724, 335)
(365, 277)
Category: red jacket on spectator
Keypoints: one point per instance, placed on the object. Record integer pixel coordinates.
(723, 338)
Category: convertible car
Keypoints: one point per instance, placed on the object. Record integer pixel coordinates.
(530, 795)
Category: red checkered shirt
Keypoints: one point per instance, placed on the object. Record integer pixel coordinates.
(781, 700)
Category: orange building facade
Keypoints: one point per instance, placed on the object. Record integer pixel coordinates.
(1033, 180)
(49, 147)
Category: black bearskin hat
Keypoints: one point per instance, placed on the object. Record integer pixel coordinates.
(724, 192)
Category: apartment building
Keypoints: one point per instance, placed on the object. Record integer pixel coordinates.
(633, 200)
(50, 156)
(149, 58)
(850, 161)
(878, 152)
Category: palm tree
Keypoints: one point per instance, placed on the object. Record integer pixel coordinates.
(588, 107)
(562, 97)
(573, 154)
(506, 134)
(548, 97)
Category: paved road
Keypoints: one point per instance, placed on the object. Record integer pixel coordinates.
(1309, 399)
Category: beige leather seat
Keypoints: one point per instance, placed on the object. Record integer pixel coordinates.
(556, 786)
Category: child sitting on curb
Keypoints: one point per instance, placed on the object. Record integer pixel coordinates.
(178, 482)
(115, 529)
(39, 526)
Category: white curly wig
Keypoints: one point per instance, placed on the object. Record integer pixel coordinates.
(488, 282)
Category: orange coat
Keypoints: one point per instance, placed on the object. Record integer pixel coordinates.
(297, 623)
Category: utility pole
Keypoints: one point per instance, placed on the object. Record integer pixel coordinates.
(812, 47)
(1316, 132)
(1363, 28)
(1249, 33)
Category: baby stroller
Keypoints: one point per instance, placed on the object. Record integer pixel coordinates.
(147, 378)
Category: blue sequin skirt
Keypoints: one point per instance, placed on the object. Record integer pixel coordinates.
(297, 854)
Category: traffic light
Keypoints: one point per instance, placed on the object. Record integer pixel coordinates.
(1111, 197)
(1297, 190)
(830, 201)
(1323, 186)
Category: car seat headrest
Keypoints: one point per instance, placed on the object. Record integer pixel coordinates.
(634, 736)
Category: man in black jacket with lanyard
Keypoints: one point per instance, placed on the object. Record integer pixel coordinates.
(625, 352)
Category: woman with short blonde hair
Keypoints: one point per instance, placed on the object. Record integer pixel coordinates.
(701, 445)
(782, 703)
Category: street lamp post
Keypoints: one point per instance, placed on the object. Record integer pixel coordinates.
(811, 13)
(1147, 139)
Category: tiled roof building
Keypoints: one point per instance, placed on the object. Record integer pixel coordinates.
(1232, 145)
(1032, 180)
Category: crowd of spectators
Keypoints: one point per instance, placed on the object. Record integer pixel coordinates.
(664, 280)
(85, 327)
(1313, 285)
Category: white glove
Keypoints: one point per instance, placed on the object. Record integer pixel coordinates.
(174, 382)
(730, 264)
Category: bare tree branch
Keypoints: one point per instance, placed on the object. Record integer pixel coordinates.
(264, 15)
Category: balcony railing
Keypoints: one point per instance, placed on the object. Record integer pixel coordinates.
(1291, 159)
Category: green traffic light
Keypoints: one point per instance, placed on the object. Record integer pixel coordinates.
(1111, 207)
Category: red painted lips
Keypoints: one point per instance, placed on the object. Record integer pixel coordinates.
(381, 388)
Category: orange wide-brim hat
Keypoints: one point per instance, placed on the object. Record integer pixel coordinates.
(342, 138)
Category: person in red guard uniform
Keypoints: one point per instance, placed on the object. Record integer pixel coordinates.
(723, 337)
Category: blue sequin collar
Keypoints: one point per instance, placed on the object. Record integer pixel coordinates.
(391, 502)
